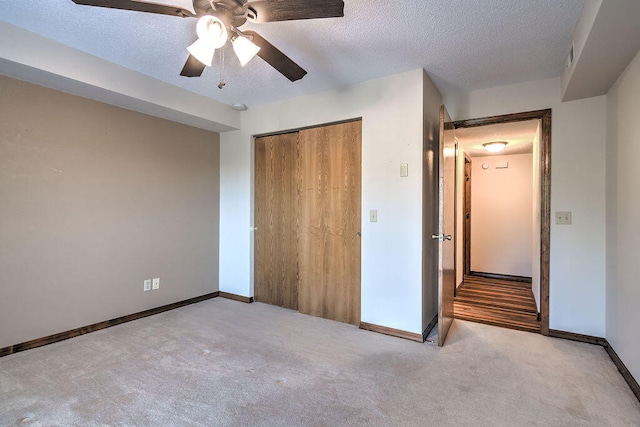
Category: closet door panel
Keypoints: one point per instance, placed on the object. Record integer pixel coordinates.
(329, 219)
(275, 219)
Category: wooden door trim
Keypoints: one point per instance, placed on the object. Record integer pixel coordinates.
(455, 220)
(466, 228)
(545, 194)
(295, 130)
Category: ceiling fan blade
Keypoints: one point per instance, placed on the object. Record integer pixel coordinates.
(288, 10)
(138, 6)
(276, 58)
(192, 68)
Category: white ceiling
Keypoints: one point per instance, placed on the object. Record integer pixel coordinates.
(462, 44)
(519, 137)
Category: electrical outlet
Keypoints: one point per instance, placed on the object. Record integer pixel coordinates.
(147, 285)
(563, 218)
(156, 283)
(373, 215)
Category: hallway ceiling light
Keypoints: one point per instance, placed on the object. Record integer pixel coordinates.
(495, 146)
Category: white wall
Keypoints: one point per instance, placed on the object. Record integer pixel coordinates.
(623, 228)
(501, 215)
(37, 59)
(392, 133)
(577, 289)
(580, 34)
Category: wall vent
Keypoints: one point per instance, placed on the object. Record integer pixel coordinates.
(571, 56)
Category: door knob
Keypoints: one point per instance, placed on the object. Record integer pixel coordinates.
(441, 237)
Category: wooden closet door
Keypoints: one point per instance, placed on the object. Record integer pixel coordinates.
(329, 164)
(275, 237)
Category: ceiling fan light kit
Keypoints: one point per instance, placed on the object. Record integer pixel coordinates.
(202, 51)
(212, 35)
(245, 50)
(212, 30)
(219, 22)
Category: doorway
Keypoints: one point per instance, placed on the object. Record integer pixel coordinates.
(512, 286)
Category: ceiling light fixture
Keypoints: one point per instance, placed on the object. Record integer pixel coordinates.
(495, 146)
(244, 48)
(212, 34)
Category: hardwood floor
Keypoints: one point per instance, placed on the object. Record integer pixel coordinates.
(497, 302)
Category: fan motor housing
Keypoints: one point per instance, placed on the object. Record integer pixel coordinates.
(231, 12)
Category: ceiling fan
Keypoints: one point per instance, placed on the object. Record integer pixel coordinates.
(219, 22)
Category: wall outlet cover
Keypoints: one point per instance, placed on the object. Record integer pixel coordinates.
(147, 285)
(156, 283)
(563, 218)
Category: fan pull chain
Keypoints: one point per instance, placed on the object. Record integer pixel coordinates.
(222, 83)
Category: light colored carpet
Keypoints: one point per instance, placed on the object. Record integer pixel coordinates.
(222, 362)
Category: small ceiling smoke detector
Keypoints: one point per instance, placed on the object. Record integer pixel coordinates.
(239, 107)
(495, 146)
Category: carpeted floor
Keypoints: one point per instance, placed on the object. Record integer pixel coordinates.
(222, 362)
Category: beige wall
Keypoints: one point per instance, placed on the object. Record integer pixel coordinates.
(623, 228)
(93, 200)
(501, 215)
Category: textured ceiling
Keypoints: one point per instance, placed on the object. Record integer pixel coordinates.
(519, 137)
(462, 44)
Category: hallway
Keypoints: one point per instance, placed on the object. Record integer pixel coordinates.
(497, 302)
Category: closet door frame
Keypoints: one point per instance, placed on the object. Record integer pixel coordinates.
(353, 228)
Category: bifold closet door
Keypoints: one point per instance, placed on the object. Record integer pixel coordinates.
(275, 220)
(329, 165)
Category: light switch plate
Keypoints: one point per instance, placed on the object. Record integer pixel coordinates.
(373, 215)
(147, 285)
(156, 283)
